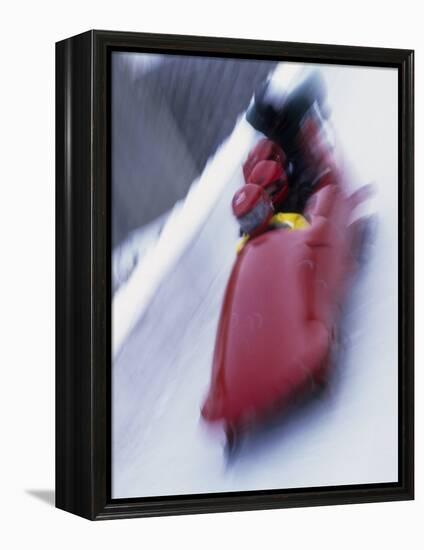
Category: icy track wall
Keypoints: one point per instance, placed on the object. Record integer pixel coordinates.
(170, 115)
(162, 365)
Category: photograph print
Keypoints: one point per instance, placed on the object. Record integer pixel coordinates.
(254, 275)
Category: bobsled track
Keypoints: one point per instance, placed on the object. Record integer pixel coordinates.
(165, 317)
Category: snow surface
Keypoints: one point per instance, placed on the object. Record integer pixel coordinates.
(165, 318)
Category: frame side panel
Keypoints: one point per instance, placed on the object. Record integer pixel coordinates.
(406, 273)
(73, 276)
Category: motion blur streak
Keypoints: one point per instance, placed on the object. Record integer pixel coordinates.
(165, 318)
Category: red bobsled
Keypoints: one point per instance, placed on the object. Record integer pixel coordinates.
(281, 309)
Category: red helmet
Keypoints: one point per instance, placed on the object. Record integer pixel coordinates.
(253, 209)
(265, 149)
(271, 176)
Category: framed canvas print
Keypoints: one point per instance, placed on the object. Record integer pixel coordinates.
(234, 224)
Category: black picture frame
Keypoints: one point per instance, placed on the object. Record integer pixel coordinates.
(83, 281)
